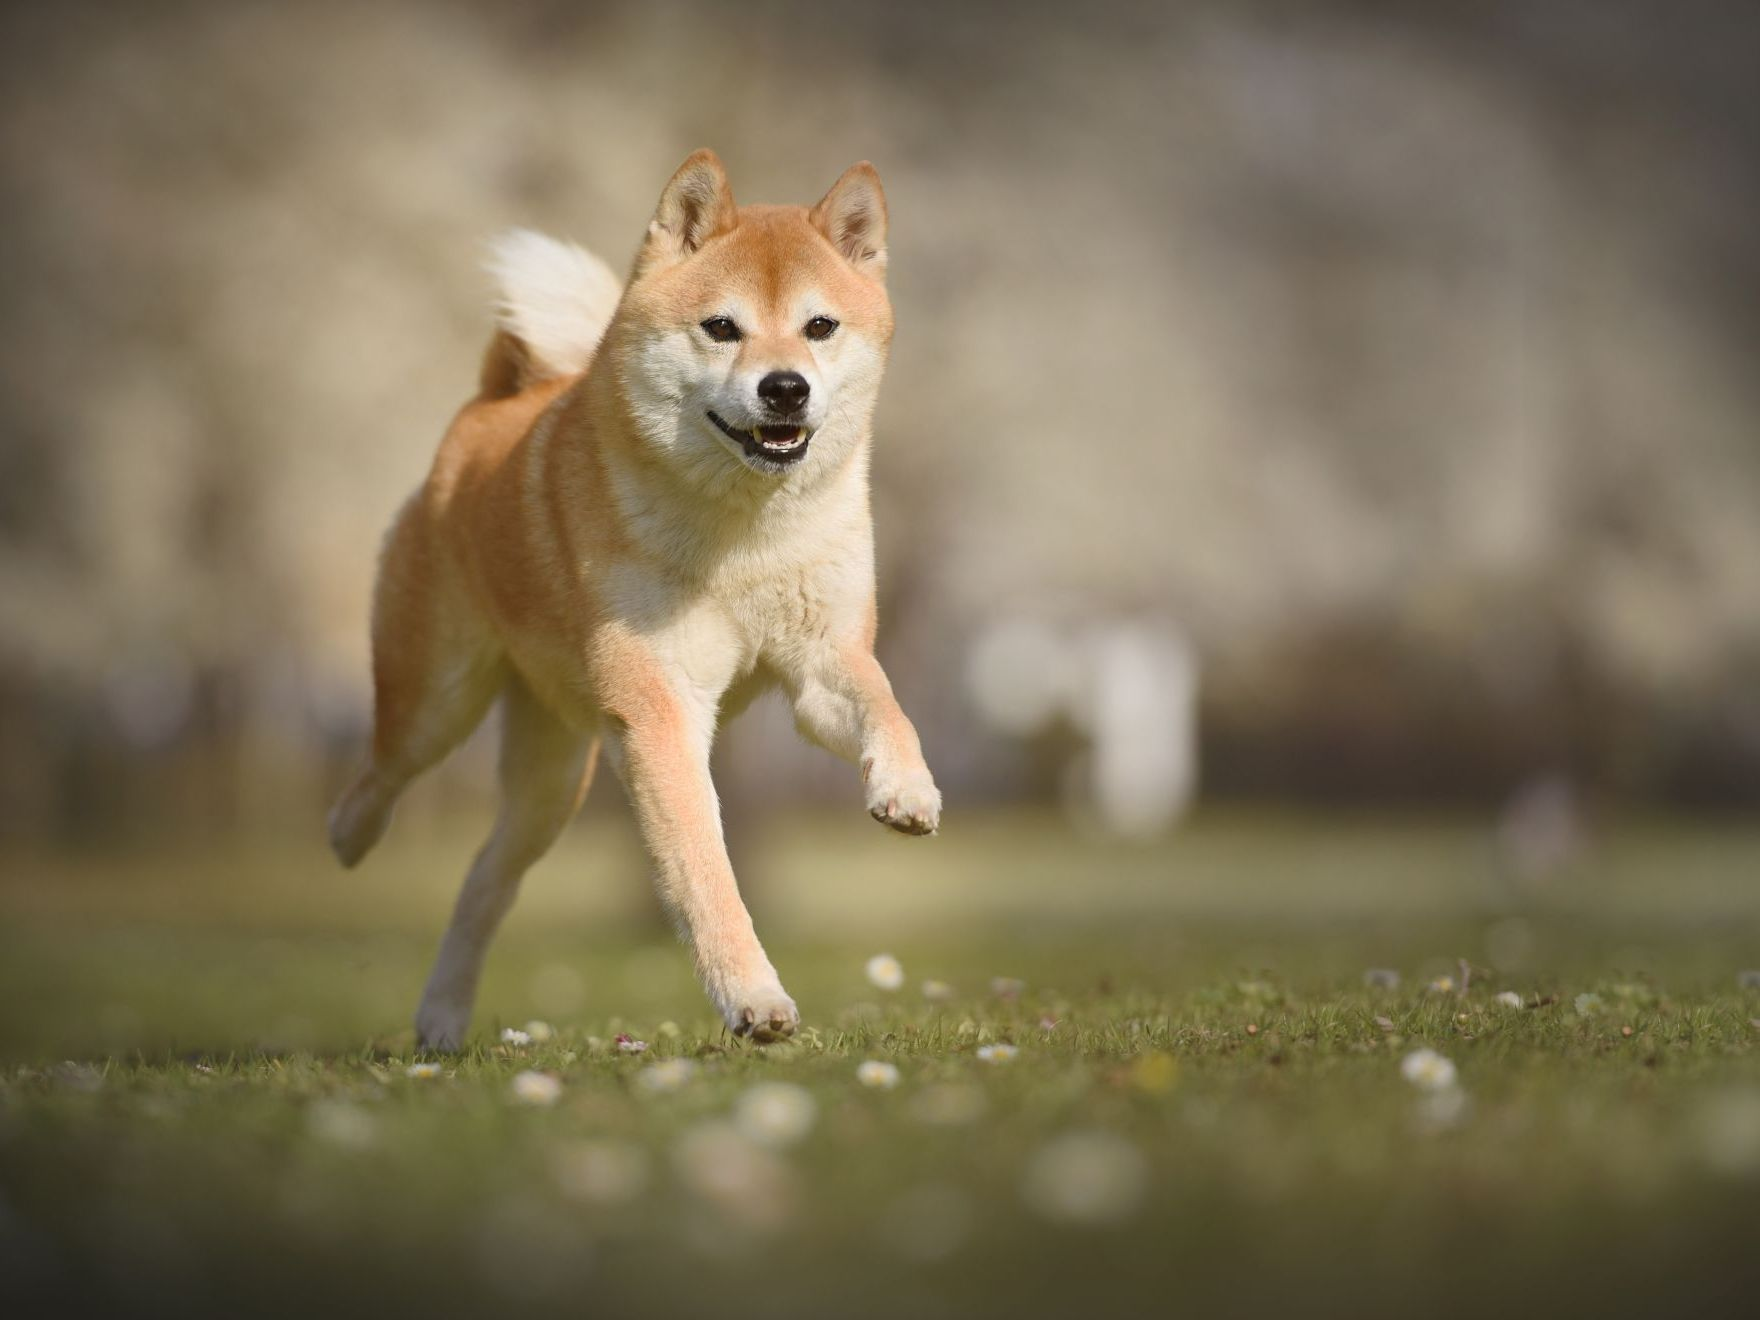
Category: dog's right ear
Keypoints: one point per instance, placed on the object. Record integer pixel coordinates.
(695, 207)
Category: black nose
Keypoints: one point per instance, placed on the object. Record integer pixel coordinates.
(784, 391)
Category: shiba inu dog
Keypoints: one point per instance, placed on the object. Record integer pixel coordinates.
(655, 508)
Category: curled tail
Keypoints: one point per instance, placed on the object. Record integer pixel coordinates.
(554, 302)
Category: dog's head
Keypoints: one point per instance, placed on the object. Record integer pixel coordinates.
(752, 339)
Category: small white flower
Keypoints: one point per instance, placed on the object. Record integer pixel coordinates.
(666, 1076)
(422, 1070)
(997, 1053)
(948, 1104)
(1440, 1110)
(1509, 999)
(775, 1114)
(601, 1172)
(1086, 1178)
(77, 1076)
(928, 1223)
(1007, 987)
(535, 1088)
(1728, 1130)
(1427, 1070)
(1587, 1005)
(1381, 978)
(1442, 985)
(885, 971)
(539, 1031)
(937, 992)
(882, 1076)
(342, 1124)
(628, 1044)
(748, 1184)
(515, 1037)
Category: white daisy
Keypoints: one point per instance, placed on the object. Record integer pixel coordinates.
(927, 1223)
(539, 1031)
(885, 971)
(1427, 1070)
(535, 1088)
(515, 1037)
(1509, 999)
(875, 1073)
(422, 1070)
(937, 992)
(1086, 1178)
(775, 1114)
(628, 1044)
(77, 1076)
(1727, 1126)
(601, 1172)
(1442, 985)
(997, 1053)
(948, 1104)
(748, 1184)
(1587, 1005)
(1440, 1110)
(666, 1076)
(343, 1124)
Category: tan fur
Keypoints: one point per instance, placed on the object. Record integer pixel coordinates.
(589, 549)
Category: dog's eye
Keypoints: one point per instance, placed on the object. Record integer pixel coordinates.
(820, 327)
(721, 330)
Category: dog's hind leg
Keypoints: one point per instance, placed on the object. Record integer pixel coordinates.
(436, 670)
(546, 768)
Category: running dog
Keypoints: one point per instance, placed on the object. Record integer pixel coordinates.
(655, 508)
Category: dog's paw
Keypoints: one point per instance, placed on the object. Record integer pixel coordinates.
(909, 803)
(761, 1013)
(442, 1027)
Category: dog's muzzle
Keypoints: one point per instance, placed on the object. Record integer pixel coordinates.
(778, 445)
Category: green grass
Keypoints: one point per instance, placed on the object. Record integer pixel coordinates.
(205, 1106)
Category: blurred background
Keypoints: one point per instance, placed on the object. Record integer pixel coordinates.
(1346, 404)
(1318, 499)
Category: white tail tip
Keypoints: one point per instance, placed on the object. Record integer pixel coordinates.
(554, 297)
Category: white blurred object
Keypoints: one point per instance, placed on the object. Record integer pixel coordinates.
(150, 691)
(1090, 1178)
(1727, 1127)
(1022, 674)
(1540, 830)
(1143, 717)
(1130, 685)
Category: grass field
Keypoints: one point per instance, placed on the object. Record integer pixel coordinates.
(207, 1106)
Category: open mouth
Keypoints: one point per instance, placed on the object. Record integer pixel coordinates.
(779, 445)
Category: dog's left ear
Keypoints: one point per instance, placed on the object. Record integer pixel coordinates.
(853, 216)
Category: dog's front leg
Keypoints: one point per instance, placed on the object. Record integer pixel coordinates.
(660, 746)
(844, 703)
